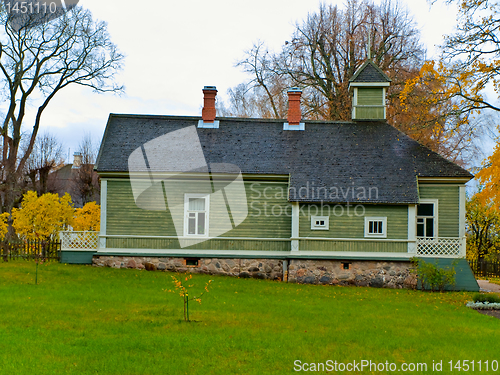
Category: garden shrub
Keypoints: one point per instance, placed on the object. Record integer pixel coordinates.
(433, 277)
(486, 297)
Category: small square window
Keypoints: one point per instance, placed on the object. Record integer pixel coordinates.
(376, 227)
(346, 265)
(192, 262)
(320, 222)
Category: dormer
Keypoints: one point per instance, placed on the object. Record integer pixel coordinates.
(369, 85)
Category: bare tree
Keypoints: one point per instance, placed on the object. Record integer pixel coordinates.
(47, 155)
(39, 60)
(325, 51)
(474, 49)
(85, 180)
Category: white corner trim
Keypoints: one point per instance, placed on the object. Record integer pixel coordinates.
(461, 211)
(384, 99)
(369, 84)
(412, 229)
(295, 226)
(104, 206)
(287, 126)
(208, 125)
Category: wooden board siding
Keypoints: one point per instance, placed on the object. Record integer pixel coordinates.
(369, 113)
(448, 207)
(125, 218)
(268, 217)
(364, 246)
(370, 96)
(344, 226)
(370, 103)
(213, 244)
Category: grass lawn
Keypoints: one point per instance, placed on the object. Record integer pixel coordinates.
(86, 320)
(494, 280)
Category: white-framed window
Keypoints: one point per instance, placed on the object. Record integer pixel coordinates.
(196, 210)
(427, 218)
(376, 227)
(320, 222)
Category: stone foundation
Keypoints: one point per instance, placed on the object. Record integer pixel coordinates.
(377, 274)
(359, 272)
(257, 268)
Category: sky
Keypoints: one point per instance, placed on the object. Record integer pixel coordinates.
(174, 48)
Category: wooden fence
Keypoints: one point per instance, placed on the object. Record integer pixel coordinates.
(485, 268)
(29, 250)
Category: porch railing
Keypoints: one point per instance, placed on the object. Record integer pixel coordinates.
(441, 247)
(71, 240)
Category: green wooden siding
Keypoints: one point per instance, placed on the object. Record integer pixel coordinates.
(213, 244)
(269, 216)
(370, 96)
(448, 207)
(125, 218)
(369, 113)
(364, 246)
(344, 226)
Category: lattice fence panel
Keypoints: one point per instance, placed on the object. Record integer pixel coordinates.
(79, 240)
(443, 247)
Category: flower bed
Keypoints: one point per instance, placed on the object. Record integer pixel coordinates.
(483, 305)
(485, 301)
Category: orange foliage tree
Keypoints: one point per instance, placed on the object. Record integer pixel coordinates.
(429, 112)
(474, 49)
(483, 223)
(483, 210)
(489, 177)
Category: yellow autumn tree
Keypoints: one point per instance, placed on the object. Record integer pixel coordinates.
(434, 115)
(489, 177)
(42, 217)
(87, 218)
(483, 209)
(483, 233)
(474, 48)
(3, 225)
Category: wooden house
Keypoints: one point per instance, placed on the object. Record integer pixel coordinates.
(306, 201)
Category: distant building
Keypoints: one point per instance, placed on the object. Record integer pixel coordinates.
(78, 179)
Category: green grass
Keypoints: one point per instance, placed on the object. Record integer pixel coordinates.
(494, 280)
(86, 320)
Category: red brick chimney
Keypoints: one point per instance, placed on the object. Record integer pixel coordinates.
(294, 113)
(208, 111)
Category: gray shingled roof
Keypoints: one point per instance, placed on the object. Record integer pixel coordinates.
(335, 156)
(369, 73)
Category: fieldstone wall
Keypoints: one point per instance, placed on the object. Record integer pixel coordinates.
(361, 273)
(257, 268)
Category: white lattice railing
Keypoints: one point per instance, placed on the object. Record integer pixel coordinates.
(71, 240)
(440, 247)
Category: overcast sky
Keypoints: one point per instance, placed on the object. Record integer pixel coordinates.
(174, 48)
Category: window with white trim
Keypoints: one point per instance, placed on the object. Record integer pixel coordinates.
(427, 217)
(196, 215)
(376, 227)
(320, 222)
